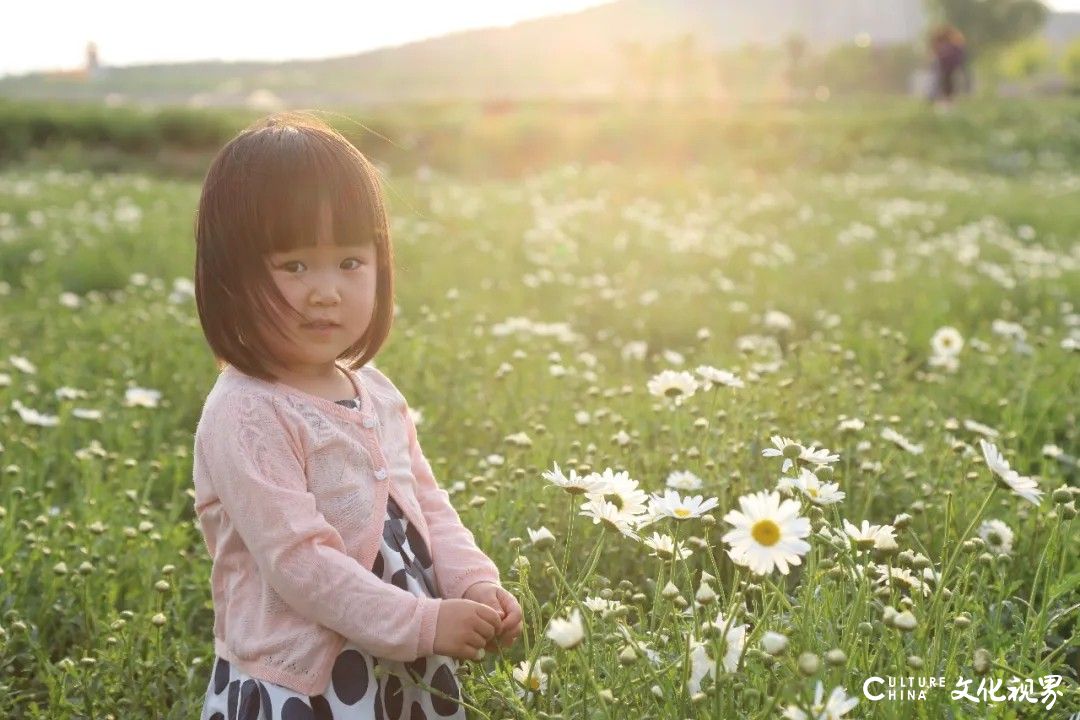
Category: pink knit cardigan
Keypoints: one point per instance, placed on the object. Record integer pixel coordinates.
(290, 494)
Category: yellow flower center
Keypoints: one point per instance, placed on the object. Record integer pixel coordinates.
(765, 532)
(534, 682)
(673, 392)
(682, 512)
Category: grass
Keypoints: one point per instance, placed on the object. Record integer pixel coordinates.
(868, 255)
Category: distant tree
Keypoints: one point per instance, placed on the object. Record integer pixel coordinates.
(990, 25)
(1025, 59)
(795, 46)
(1070, 63)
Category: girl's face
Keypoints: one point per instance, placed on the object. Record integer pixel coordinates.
(325, 283)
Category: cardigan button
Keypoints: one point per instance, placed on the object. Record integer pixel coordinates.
(369, 422)
(380, 473)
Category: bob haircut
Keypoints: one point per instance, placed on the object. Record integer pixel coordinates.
(262, 194)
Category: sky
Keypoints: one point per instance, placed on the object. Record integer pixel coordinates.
(50, 35)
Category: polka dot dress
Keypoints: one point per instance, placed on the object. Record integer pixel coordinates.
(354, 691)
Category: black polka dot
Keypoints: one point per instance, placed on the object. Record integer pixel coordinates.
(443, 680)
(350, 677)
(393, 534)
(418, 666)
(234, 696)
(399, 579)
(393, 510)
(393, 697)
(321, 708)
(221, 675)
(377, 567)
(249, 701)
(217, 716)
(417, 712)
(296, 709)
(416, 544)
(265, 695)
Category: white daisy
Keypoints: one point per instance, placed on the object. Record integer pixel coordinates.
(948, 363)
(715, 376)
(69, 393)
(851, 425)
(683, 480)
(901, 575)
(541, 538)
(791, 451)
(519, 439)
(531, 681)
(838, 705)
(620, 489)
(978, 427)
(600, 510)
(1023, 486)
(574, 484)
(663, 546)
(141, 397)
(701, 665)
(947, 342)
(767, 533)
(997, 535)
(567, 633)
(887, 433)
(674, 386)
(22, 364)
(86, 413)
(673, 506)
(812, 488)
(777, 320)
(785, 448)
(732, 641)
(818, 456)
(879, 537)
(599, 604)
(33, 417)
(70, 300)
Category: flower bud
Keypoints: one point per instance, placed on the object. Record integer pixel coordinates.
(774, 643)
(981, 662)
(809, 663)
(905, 621)
(835, 657)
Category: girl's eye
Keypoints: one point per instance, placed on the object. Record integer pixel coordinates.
(359, 263)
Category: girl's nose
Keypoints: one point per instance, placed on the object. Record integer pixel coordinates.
(324, 291)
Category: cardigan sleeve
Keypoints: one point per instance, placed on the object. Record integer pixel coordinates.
(457, 561)
(257, 470)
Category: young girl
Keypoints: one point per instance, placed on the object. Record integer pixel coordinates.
(344, 584)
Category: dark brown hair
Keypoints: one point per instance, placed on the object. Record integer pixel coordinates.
(262, 195)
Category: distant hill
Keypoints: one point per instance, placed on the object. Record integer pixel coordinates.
(576, 55)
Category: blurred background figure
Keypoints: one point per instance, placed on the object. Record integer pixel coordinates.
(949, 52)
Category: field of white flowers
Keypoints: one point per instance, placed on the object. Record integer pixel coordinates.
(743, 444)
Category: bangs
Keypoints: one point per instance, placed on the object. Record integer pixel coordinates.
(304, 176)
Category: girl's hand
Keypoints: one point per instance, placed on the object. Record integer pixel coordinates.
(463, 628)
(501, 601)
